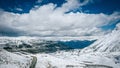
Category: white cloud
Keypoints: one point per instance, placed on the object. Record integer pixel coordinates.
(48, 21)
(118, 26)
(19, 9)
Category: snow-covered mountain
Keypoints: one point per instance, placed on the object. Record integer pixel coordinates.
(103, 53)
(11, 60)
(38, 45)
(109, 43)
(17, 44)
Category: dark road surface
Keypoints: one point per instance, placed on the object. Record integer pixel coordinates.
(34, 61)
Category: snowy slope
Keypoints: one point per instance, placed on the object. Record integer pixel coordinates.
(72, 59)
(109, 43)
(11, 60)
(104, 53)
(51, 61)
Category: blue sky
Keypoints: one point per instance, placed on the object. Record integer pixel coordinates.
(15, 10)
(96, 6)
(25, 5)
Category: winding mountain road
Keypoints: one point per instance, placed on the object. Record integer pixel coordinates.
(34, 61)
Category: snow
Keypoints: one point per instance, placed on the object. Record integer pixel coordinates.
(109, 43)
(16, 41)
(11, 60)
(63, 59)
(49, 61)
(104, 53)
(99, 59)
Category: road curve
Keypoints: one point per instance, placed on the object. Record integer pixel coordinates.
(33, 63)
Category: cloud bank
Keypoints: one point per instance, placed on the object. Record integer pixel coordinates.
(47, 20)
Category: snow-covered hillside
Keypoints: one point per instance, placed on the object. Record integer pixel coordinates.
(38, 45)
(30, 40)
(109, 43)
(11, 60)
(72, 59)
(103, 53)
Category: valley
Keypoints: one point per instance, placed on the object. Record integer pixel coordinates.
(38, 53)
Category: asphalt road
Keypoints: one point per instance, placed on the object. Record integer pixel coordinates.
(34, 61)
